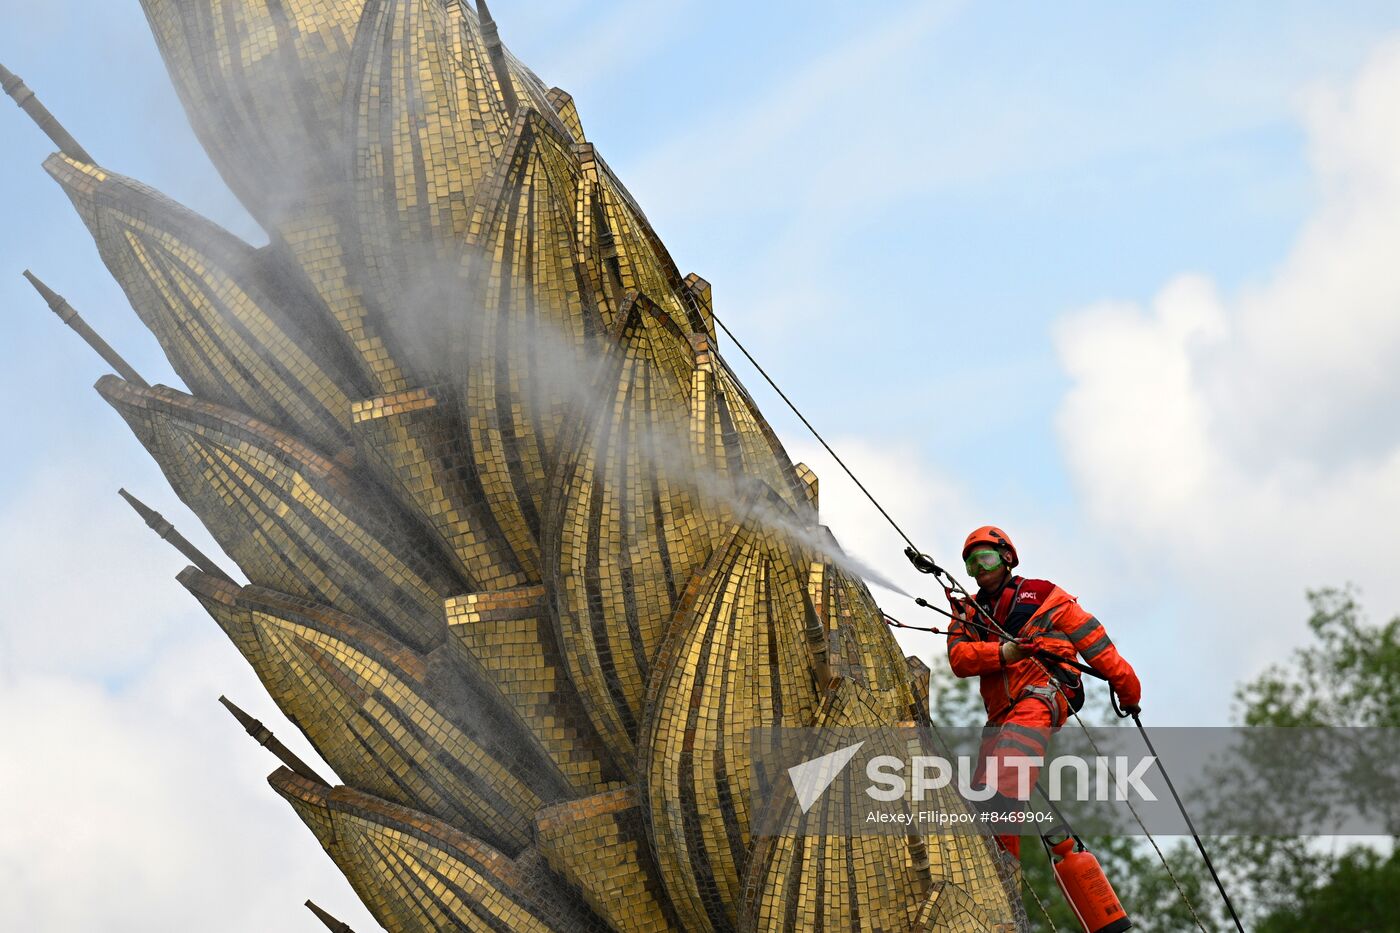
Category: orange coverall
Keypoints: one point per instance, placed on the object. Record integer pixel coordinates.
(1024, 705)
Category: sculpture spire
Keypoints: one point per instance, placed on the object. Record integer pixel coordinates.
(264, 737)
(160, 526)
(73, 319)
(331, 923)
(497, 53)
(30, 104)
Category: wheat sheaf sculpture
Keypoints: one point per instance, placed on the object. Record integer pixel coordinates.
(526, 564)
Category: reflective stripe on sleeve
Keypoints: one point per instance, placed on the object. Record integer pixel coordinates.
(1085, 629)
(1100, 645)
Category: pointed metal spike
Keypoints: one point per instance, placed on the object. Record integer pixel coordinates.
(489, 32)
(497, 54)
(331, 923)
(73, 319)
(160, 526)
(264, 737)
(47, 122)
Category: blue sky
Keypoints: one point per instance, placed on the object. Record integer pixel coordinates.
(1113, 276)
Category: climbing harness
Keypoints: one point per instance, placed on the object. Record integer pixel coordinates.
(925, 564)
(1025, 643)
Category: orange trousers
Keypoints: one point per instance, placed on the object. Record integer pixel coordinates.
(1023, 732)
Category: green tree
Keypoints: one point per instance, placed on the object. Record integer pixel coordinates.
(1348, 675)
(1360, 895)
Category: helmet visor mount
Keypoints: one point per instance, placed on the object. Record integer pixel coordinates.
(981, 560)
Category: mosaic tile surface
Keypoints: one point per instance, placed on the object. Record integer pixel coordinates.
(736, 659)
(526, 561)
(415, 873)
(372, 709)
(600, 845)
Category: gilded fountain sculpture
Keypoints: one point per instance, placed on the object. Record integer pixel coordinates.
(525, 562)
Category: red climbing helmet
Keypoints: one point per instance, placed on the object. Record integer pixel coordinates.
(994, 536)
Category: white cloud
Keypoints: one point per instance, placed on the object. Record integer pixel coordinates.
(88, 588)
(1248, 441)
(131, 800)
(146, 809)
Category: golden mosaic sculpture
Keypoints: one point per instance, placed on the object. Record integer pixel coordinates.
(518, 541)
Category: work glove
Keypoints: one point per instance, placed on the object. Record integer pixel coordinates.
(1019, 649)
(1129, 694)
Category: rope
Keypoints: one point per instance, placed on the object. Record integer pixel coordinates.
(1030, 888)
(992, 626)
(1176, 882)
(803, 418)
(1220, 886)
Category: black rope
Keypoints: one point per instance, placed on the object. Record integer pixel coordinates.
(803, 418)
(1219, 885)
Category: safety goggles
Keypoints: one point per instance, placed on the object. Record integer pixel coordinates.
(982, 559)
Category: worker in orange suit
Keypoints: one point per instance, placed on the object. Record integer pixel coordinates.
(1027, 698)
